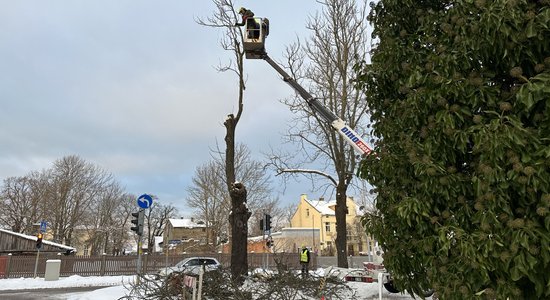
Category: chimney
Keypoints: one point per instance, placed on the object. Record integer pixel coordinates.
(322, 199)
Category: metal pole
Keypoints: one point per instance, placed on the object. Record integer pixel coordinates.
(139, 259)
(36, 262)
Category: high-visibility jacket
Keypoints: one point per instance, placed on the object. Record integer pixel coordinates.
(304, 256)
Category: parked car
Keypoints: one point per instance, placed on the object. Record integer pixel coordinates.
(191, 265)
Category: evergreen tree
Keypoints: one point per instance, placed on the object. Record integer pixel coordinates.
(460, 99)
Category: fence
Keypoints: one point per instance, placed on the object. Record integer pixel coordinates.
(23, 266)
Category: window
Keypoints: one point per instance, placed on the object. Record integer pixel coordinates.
(307, 212)
(327, 226)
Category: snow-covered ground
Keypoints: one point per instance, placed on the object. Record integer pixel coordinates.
(116, 289)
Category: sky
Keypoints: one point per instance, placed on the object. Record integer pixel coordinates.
(132, 87)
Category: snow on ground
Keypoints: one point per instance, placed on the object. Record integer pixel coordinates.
(63, 282)
(363, 291)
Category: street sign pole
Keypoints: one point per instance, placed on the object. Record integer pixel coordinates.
(144, 201)
(139, 259)
(36, 262)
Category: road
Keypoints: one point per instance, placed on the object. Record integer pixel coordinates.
(48, 294)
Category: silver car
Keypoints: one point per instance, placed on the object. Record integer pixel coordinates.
(191, 265)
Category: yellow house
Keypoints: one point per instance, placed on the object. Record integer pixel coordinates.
(321, 215)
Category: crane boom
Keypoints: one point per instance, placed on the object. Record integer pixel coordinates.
(256, 30)
(338, 124)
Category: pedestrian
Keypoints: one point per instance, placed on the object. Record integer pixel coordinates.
(304, 260)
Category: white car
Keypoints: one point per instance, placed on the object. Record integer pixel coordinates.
(191, 265)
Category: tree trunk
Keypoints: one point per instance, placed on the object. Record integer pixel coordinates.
(341, 211)
(238, 218)
(239, 232)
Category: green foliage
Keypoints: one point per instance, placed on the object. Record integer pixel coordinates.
(460, 98)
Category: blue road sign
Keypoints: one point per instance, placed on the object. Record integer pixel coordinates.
(43, 225)
(145, 201)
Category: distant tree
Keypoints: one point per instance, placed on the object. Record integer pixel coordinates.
(208, 193)
(121, 234)
(208, 196)
(73, 187)
(288, 212)
(72, 196)
(324, 66)
(103, 221)
(460, 99)
(20, 206)
(225, 18)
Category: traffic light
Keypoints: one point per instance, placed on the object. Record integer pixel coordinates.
(39, 237)
(138, 222)
(267, 222)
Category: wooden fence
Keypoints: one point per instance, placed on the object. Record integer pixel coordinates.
(23, 266)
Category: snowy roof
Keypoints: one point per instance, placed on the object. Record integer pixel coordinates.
(185, 223)
(34, 238)
(322, 206)
(325, 207)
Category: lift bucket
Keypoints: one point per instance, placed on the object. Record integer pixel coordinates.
(254, 37)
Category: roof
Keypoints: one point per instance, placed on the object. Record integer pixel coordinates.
(325, 207)
(34, 238)
(185, 223)
(322, 206)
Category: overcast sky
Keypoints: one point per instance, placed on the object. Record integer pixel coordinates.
(131, 86)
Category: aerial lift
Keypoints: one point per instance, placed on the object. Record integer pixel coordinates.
(256, 31)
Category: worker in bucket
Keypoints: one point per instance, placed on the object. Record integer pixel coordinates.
(245, 14)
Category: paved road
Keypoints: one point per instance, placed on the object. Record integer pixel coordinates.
(46, 294)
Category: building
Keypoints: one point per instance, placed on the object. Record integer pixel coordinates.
(186, 236)
(320, 215)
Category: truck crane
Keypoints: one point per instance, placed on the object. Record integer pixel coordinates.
(256, 30)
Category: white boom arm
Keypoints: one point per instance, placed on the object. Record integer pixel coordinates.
(340, 126)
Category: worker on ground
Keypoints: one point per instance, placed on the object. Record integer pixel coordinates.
(304, 260)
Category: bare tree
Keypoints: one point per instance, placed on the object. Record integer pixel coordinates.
(74, 185)
(288, 212)
(208, 193)
(20, 208)
(324, 64)
(121, 235)
(72, 195)
(208, 196)
(224, 18)
(103, 220)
